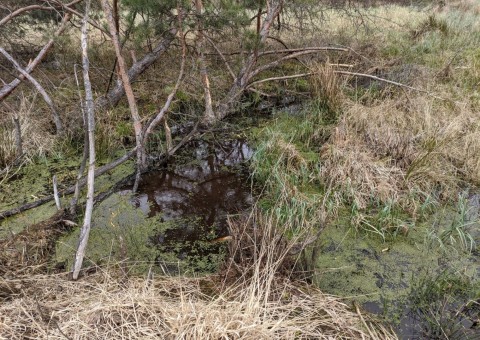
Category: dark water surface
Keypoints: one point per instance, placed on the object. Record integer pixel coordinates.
(196, 193)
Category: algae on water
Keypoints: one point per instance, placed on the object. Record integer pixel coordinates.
(119, 233)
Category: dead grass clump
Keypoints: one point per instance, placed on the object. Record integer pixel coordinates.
(397, 148)
(260, 303)
(32, 248)
(352, 168)
(327, 88)
(292, 157)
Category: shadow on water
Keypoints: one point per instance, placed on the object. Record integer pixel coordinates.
(201, 186)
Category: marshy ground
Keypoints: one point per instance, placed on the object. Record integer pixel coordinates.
(376, 182)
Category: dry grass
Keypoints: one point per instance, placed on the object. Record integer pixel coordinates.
(36, 138)
(326, 86)
(260, 303)
(472, 6)
(396, 148)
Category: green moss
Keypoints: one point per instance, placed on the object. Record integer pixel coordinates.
(17, 223)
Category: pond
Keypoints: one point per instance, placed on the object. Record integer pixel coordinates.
(178, 218)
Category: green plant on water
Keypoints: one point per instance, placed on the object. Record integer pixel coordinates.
(452, 231)
(457, 232)
(439, 304)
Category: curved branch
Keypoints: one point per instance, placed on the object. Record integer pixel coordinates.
(7, 89)
(36, 7)
(23, 9)
(40, 89)
(300, 52)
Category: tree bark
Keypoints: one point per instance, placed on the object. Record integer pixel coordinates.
(137, 124)
(209, 115)
(89, 107)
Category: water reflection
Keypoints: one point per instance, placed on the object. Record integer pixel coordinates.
(198, 194)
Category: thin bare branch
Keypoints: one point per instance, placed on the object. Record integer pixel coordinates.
(301, 75)
(389, 82)
(68, 8)
(100, 171)
(159, 116)
(227, 65)
(50, 7)
(295, 50)
(245, 74)
(40, 89)
(292, 56)
(10, 87)
(22, 10)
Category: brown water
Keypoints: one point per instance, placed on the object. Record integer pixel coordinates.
(196, 195)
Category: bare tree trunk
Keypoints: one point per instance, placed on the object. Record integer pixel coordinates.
(244, 76)
(8, 88)
(137, 124)
(116, 93)
(89, 106)
(83, 162)
(209, 115)
(40, 89)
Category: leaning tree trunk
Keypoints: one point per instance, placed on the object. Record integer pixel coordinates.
(116, 93)
(137, 124)
(89, 106)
